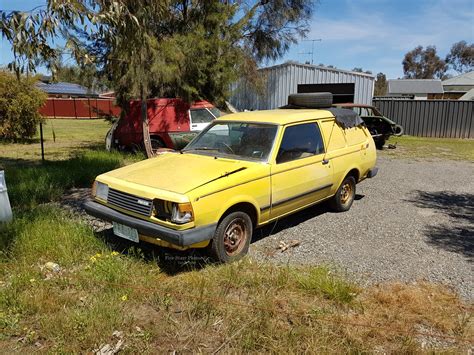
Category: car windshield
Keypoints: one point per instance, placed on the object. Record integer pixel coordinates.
(238, 140)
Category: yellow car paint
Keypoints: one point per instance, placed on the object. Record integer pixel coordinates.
(215, 185)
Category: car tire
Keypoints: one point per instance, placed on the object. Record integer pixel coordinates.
(379, 143)
(397, 130)
(345, 195)
(311, 100)
(157, 143)
(232, 237)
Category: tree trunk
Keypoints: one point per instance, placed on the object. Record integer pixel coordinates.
(146, 131)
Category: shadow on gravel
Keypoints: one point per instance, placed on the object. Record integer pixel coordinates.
(290, 221)
(457, 236)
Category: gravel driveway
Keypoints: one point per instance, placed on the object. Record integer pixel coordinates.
(413, 221)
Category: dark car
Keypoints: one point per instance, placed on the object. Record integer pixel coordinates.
(378, 125)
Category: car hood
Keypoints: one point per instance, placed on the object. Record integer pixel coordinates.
(179, 173)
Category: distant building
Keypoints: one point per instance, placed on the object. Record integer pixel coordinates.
(459, 86)
(66, 90)
(417, 89)
(292, 77)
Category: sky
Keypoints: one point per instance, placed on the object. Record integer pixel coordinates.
(372, 34)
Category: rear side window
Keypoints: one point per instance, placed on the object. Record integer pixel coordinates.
(300, 141)
(215, 111)
(201, 115)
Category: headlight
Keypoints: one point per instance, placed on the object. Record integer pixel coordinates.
(100, 191)
(182, 213)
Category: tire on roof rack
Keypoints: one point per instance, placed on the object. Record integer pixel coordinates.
(311, 100)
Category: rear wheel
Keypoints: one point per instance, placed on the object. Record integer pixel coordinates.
(232, 237)
(344, 197)
(379, 143)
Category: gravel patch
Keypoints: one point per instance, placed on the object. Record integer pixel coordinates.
(414, 221)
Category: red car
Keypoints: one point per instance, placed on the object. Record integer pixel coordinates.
(172, 123)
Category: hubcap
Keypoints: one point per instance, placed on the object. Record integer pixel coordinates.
(346, 193)
(235, 237)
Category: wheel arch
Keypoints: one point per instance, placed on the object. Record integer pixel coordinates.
(243, 206)
(354, 172)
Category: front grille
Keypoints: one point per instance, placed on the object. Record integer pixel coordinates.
(130, 202)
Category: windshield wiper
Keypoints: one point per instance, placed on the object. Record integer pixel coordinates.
(202, 148)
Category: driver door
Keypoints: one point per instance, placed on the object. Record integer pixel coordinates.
(300, 175)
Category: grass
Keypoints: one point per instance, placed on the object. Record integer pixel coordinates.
(62, 138)
(105, 287)
(431, 148)
(245, 306)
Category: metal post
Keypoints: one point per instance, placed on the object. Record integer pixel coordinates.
(42, 144)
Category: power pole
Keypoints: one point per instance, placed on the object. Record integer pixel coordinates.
(312, 47)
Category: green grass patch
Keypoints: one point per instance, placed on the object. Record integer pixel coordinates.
(430, 148)
(30, 185)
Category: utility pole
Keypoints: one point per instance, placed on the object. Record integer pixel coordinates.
(312, 47)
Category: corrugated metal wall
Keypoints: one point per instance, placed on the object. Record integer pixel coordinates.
(282, 80)
(431, 118)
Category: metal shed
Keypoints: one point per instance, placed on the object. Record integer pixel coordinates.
(289, 78)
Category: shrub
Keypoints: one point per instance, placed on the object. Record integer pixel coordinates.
(19, 104)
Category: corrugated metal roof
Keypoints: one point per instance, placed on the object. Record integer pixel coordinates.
(415, 86)
(311, 66)
(466, 79)
(62, 88)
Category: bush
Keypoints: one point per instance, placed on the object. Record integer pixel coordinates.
(19, 104)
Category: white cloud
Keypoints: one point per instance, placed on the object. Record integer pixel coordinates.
(376, 34)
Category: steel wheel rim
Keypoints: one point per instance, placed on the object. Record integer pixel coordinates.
(235, 236)
(346, 192)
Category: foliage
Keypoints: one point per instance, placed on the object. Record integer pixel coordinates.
(461, 57)
(381, 85)
(86, 75)
(360, 70)
(421, 63)
(19, 104)
(192, 49)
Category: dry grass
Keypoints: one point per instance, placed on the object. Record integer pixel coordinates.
(242, 307)
(62, 139)
(430, 148)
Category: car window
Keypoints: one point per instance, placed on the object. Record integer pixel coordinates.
(300, 141)
(238, 140)
(215, 111)
(201, 115)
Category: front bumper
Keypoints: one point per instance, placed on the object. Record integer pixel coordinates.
(372, 172)
(181, 238)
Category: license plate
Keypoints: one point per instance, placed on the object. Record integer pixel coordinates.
(125, 232)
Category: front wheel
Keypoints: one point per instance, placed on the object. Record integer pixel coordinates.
(344, 197)
(232, 237)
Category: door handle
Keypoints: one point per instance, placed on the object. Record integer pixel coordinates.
(325, 161)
